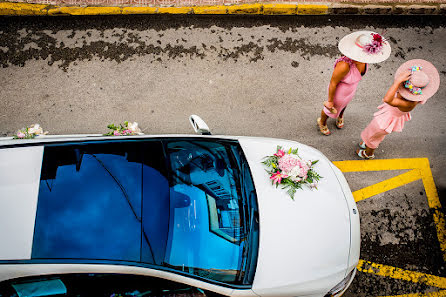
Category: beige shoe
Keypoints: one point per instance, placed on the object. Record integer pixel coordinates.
(340, 122)
(324, 129)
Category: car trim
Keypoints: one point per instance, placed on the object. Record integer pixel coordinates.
(124, 264)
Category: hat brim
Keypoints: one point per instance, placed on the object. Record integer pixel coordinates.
(349, 49)
(429, 90)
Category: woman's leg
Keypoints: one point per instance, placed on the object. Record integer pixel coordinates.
(341, 114)
(340, 119)
(324, 118)
(322, 123)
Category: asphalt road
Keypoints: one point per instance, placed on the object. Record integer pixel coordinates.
(244, 75)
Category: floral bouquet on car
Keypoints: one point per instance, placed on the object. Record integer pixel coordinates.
(291, 171)
(124, 129)
(30, 132)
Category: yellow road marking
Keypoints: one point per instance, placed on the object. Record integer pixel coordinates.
(434, 204)
(11, 8)
(382, 164)
(398, 273)
(420, 169)
(312, 9)
(387, 185)
(441, 293)
(281, 9)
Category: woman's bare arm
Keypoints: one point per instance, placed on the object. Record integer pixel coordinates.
(340, 71)
(393, 100)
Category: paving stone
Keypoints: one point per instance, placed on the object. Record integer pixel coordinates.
(400, 9)
(377, 9)
(421, 9)
(345, 9)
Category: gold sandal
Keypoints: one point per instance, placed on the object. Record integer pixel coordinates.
(324, 129)
(361, 153)
(340, 122)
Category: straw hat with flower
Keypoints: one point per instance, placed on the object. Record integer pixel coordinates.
(423, 82)
(365, 47)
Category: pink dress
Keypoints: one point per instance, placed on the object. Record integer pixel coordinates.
(346, 89)
(388, 119)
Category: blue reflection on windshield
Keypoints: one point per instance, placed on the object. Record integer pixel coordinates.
(125, 201)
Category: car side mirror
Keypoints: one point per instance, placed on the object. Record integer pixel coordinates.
(199, 125)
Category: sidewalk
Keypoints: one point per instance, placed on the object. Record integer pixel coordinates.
(272, 7)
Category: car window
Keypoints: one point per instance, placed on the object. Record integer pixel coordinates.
(206, 220)
(180, 205)
(96, 285)
(89, 204)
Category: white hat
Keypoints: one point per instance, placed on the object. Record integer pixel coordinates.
(365, 47)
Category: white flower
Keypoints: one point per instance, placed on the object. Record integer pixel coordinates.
(295, 172)
(134, 127)
(35, 129)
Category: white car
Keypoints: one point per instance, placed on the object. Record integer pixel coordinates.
(169, 211)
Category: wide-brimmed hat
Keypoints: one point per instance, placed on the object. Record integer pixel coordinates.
(423, 82)
(365, 47)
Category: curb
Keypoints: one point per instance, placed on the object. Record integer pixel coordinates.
(26, 9)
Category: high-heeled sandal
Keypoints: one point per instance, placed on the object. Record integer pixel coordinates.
(340, 122)
(324, 129)
(361, 153)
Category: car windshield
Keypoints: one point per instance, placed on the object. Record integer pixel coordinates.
(178, 204)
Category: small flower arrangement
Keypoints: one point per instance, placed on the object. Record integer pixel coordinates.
(124, 129)
(29, 132)
(376, 45)
(290, 171)
(408, 84)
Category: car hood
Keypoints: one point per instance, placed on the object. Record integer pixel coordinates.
(303, 242)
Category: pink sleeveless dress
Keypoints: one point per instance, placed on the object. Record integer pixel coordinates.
(346, 89)
(385, 121)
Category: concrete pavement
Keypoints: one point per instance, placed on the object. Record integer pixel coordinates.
(250, 75)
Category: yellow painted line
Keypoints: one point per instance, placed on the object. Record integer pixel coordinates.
(382, 164)
(429, 186)
(280, 9)
(7, 8)
(218, 9)
(312, 9)
(139, 10)
(401, 274)
(175, 10)
(11, 8)
(90, 10)
(386, 185)
(441, 293)
(420, 169)
(245, 9)
(441, 232)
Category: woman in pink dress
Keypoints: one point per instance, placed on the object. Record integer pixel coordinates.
(415, 82)
(358, 49)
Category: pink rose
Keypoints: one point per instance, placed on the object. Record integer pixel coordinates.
(288, 162)
(20, 134)
(116, 133)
